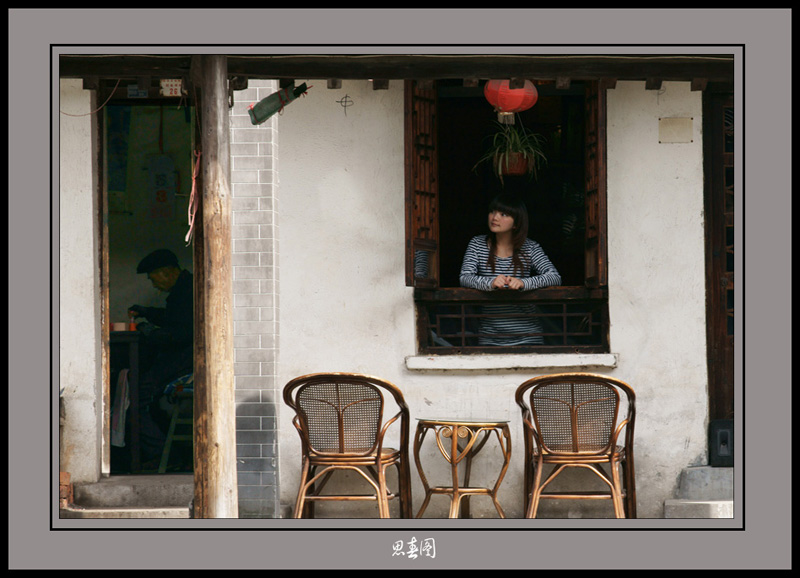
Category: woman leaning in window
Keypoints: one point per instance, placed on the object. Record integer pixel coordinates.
(506, 259)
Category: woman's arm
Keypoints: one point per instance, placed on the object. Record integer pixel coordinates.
(474, 255)
(545, 273)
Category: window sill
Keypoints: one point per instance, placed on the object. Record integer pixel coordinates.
(565, 361)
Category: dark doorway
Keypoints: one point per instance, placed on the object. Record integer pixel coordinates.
(147, 163)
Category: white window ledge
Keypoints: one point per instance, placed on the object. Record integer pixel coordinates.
(562, 361)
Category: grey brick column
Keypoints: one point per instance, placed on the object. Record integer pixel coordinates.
(255, 302)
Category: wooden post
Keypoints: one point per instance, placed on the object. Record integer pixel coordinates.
(215, 494)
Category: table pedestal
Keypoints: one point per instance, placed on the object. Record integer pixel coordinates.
(459, 441)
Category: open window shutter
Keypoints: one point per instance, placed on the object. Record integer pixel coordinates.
(595, 166)
(422, 186)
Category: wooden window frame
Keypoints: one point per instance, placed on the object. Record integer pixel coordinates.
(422, 228)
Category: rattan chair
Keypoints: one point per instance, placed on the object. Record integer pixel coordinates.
(342, 426)
(180, 393)
(577, 420)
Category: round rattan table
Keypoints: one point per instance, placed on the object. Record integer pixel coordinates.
(459, 440)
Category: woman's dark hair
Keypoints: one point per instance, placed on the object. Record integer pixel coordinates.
(513, 206)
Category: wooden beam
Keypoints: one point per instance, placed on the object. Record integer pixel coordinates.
(380, 84)
(334, 83)
(216, 494)
(716, 68)
(653, 84)
(699, 83)
(91, 83)
(238, 83)
(563, 82)
(195, 71)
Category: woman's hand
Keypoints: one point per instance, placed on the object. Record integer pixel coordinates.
(506, 282)
(514, 283)
(500, 282)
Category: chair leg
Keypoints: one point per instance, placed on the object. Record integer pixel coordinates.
(530, 468)
(630, 489)
(631, 485)
(616, 490)
(301, 492)
(528, 501)
(620, 482)
(383, 491)
(404, 489)
(536, 490)
(162, 467)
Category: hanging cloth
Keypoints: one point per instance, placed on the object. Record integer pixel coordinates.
(119, 410)
(193, 199)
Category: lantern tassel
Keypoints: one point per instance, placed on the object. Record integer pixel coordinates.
(505, 117)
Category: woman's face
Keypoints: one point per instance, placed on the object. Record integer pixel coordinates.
(500, 222)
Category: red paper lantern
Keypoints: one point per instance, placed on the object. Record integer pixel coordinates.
(507, 101)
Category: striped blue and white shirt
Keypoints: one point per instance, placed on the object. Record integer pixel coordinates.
(511, 324)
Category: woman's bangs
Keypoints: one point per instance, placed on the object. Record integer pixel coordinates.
(500, 206)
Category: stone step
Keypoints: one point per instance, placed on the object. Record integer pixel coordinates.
(703, 492)
(684, 508)
(131, 492)
(73, 511)
(706, 483)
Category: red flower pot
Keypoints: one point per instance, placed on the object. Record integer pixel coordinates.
(513, 164)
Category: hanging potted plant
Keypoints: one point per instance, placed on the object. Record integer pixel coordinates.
(514, 150)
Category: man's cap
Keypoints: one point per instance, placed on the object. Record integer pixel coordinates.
(157, 259)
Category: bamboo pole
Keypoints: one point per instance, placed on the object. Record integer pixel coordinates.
(215, 493)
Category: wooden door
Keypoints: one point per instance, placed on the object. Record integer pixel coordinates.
(422, 186)
(719, 127)
(595, 185)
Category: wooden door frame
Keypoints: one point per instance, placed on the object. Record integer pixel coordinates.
(719, 341)
(215, 477)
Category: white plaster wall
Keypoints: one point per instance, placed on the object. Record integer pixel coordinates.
(344, 305)
(341, 192)
(657, 279)
(79, 297)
